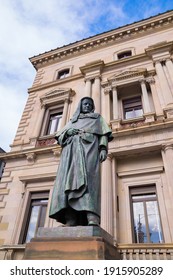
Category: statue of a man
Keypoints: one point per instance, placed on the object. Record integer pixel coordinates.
(84, 141)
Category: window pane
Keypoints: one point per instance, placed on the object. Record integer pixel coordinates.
(124, 54)
(32, 223)
(134, 113)
(154, 222)
(52, 126)
(129, 115)
(42, 215)
(146, 219)
(132, 107)
(138, 113)
(36, 218)
(139, 222)
(54, 123)
(63, 74)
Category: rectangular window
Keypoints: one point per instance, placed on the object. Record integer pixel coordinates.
(54, 122)
(124, 54)
(146, 218)
(36, 215)
(63, 73)
(132, 107)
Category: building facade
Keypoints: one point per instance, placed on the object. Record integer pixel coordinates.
(2, 164)
(128, 72)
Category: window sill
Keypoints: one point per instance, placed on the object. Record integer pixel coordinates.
(46, 140)
(138, 119)
(48, 136)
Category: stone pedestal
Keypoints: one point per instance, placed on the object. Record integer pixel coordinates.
(71, 243)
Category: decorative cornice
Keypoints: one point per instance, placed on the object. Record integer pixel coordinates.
(57, 95)
(55, 83)
(131, 73)
(128, 73)
(23, 154)
(106, 38)
(159, 48)
(93, 66)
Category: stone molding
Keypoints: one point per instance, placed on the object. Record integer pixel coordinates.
(57, 95)
(25, 153)
(135, 74)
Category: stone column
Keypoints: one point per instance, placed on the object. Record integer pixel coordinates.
(169, 66)
(146, 101)
(115, 102)
(149, 116)
(65, 111)
(107, 195)
(39, 122)
(88, 87)
(158, 109)
(106, 107)
(167, 156)
(115, 198)
(96, 94)
(163, 84)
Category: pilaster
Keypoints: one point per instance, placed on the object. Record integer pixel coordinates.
(157, 106)
(115, 102)
(88, 87)
(65, 112)
(163, 84)
(169, 66)
(167, 156)
(149, 116)
(107, 196)
(96, 94)
(106, 103)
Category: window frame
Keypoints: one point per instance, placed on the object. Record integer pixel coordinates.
(144, 190)
(53, 116)
(123, 51)
(64, 73)
(124, 54)
(47, 118)
(63, 69)
(33, 196)
(132, 99)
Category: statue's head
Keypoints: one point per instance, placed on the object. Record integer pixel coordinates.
(87, 105)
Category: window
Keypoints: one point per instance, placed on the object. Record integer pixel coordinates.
(132, 107)
(36, 215)
(54, 122)
(124, 54)
(63, 73)
(146, 219)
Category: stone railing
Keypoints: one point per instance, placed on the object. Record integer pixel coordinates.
(13, 252)
(127, 252)
(146, 251)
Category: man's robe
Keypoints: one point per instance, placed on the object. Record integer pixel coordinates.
(77, 182)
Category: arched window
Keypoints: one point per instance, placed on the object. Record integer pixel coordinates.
(124, 54)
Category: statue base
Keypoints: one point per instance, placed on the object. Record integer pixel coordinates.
(71, 243)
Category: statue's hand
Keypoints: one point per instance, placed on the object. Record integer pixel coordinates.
(103, 155)
(72, 131)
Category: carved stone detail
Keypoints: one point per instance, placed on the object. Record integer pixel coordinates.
(46, 142)
(31, 157)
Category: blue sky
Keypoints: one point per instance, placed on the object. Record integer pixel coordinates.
(31, 27)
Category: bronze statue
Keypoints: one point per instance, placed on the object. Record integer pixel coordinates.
(84, 141)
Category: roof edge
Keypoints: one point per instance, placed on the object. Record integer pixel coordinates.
(102, 38)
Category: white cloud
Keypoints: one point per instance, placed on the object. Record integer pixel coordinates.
(31, 27)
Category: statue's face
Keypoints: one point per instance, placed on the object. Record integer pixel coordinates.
(87, 106)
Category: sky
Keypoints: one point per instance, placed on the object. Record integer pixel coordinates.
(31, 27)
